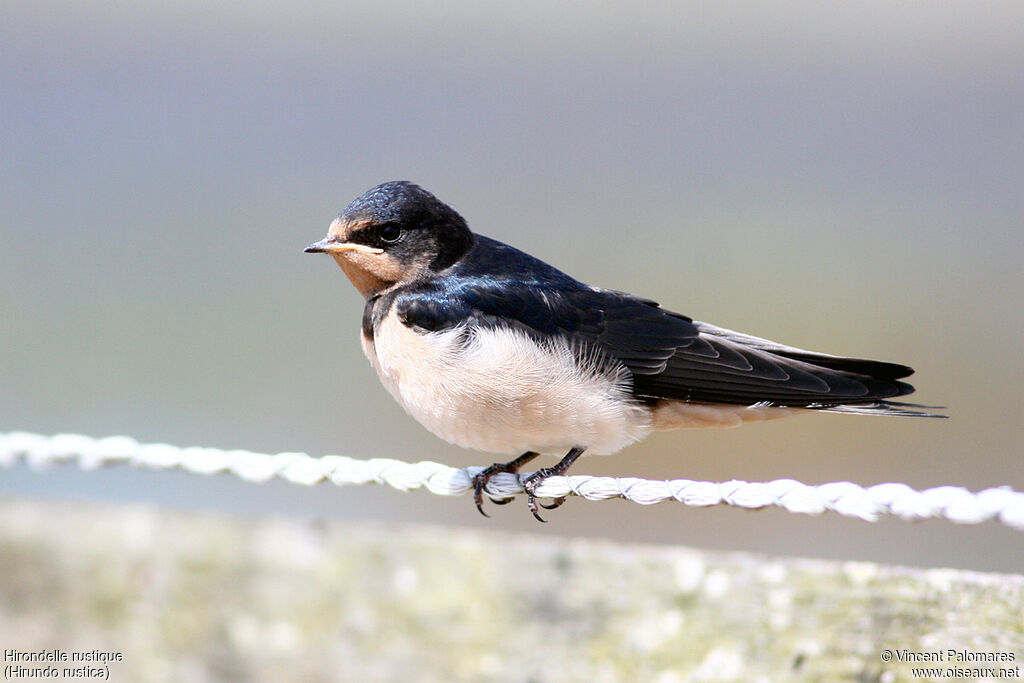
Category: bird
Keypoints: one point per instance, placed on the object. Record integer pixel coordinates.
(493, 349)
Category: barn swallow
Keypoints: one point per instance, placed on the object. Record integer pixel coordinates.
(492, 349)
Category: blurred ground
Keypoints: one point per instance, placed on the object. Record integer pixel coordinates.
(280, 599)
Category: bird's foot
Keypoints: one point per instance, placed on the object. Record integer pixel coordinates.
(481, 479)
(531, 483)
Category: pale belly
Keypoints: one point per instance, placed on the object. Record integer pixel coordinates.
(503, 393)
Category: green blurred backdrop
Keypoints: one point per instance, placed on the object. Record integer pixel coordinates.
(843, 177)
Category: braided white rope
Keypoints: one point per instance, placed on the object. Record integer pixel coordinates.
(952, 503)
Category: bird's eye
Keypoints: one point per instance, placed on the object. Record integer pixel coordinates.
(389, 234)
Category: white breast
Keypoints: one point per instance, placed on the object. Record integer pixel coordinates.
(498, 390)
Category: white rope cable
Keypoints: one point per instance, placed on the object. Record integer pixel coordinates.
(952, 503)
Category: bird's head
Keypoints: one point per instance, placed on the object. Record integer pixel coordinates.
(395, 233)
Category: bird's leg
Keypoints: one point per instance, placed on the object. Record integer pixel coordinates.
(481, 479)
(531, 482)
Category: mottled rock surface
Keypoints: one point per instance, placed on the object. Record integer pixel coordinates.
(204, 597)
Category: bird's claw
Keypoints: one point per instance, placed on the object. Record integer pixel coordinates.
(536, 516)
(478, 490)
(497, 501)
(480, 480)
(483, 476)
(529, 485)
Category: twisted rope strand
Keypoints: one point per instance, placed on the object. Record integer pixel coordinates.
(952, 503)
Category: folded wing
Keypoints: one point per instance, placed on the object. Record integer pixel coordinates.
(671, 357)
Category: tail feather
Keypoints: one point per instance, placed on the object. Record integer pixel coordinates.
(888, 408)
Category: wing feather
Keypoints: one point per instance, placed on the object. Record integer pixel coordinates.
(669, 355)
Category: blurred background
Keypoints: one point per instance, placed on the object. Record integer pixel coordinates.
(840, 177)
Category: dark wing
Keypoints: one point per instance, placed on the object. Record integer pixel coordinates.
(669, 355)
